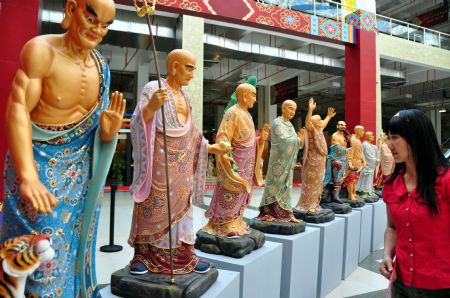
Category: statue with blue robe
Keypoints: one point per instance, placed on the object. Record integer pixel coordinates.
(62, 131)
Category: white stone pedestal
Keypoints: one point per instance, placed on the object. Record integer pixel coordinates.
(352, 234)
(300, 262)
(379, 223)
(260, 271)
(331, 252)
(366, 230)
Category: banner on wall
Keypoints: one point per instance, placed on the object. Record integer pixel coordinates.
(433, 17)
(285, 90)
(349, 7)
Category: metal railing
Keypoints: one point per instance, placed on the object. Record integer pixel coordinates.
(338, 11)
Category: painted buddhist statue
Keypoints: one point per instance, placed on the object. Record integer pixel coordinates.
(285, 143)
(364, 186)
(187, 163)
(314, 159)
(356, 162)
(233, 190)
(61, 127)
(337, 160)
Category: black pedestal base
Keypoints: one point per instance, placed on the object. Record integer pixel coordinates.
(277, 227)
(232, 247)
(354, 203)
(337, 208)
(191, 285)
(320, 216)
(111, 248)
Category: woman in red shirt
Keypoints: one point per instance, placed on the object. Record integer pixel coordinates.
(417, 238)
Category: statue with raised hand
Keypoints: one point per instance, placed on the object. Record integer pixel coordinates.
(314, 161)
(61, 128)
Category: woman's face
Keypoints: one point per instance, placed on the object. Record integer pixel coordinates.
(399, 147)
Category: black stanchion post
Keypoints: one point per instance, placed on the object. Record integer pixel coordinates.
(111, 247)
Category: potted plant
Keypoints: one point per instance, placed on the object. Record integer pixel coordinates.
(118, 168)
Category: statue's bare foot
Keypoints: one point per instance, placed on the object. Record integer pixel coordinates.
(293, 219)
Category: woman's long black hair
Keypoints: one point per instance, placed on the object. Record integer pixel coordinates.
(416, 128)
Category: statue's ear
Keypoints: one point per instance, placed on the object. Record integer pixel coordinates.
(174, 68)
(69, 10)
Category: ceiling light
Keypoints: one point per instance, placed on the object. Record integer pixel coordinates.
(442, 111)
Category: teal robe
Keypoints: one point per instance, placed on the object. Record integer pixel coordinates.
(283, 155)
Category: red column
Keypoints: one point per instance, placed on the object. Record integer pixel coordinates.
(18, 23)
(360, 81)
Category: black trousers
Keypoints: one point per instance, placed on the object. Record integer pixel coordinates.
(399, 290)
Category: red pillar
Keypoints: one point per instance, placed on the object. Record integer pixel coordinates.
(360, 81)
(18, 23)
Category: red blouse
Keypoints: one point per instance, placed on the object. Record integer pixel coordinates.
(423, 241)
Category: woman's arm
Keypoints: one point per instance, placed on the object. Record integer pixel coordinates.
(390, 239)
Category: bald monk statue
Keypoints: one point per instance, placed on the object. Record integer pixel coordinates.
(337, 160)
(314, 160)
(356, 162)
(276, 201)
(386, 166)
(188, 157)
(364, 186)
(61, 129)
(336, 169)
(233, 190)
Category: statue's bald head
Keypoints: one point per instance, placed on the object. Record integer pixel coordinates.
(368, 136)
(317, 121)
(182, 56)
(180, 67)
(246, 95)
(242, 89)
(359, 130)
(288, 102)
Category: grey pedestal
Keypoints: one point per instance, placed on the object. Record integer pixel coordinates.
(300, 263)
(260, 271)
(226, 286)
(331, 252)
(352, 234)
(366, 230)
(379, 223)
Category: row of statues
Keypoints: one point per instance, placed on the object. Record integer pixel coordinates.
(62, 127)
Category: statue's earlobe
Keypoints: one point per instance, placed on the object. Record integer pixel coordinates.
(69, 9)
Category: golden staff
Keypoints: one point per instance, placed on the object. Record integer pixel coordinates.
(147, 10)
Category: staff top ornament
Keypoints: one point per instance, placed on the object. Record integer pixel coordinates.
(146, 8)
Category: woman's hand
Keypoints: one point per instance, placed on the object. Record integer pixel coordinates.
(386, 267)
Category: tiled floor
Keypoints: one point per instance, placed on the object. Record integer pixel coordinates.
(363, 282)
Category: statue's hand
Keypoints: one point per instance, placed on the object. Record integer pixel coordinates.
(312, 104)
(218, 149)
(301, 134)
(331, 112)
(33, 191)
(111, 118)
(157, 100)
(265, 132)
